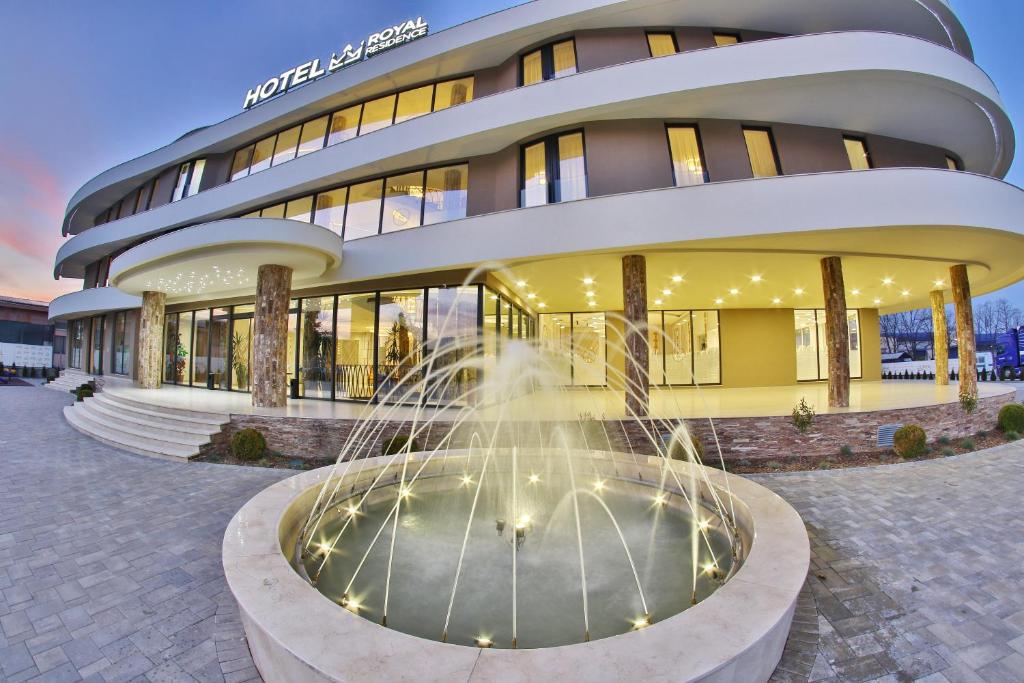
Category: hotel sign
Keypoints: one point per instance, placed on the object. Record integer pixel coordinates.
(382, 40)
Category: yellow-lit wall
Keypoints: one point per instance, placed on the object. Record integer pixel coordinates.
(616, 357)
(758, 347)
(870, 345)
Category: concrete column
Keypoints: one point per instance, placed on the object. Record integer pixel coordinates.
(151, 338)
(965, 330)
(270, 337)
(940, 342)
(837, 332)
(637, 360)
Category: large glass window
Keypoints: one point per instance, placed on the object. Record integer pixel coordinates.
(673, 336)
(180, 185)
(414, 103)
(122, 344)
(662, 44)
(76, 333)
(344, 124)
(446, 194)
(312, 137)
(196, 178)
(220, 360)
(275, 211)
(707, 348)
(551, 61)
(171, 341)
(452, 93)
(201, 348)
(330, 209)
(377, 114)
(190, 176)
(300, 209)
(761, 150)
(287, 143)
(183, 348)
(588, 350)
(353, 372)
(362, 218)
(452, 336)
(857, 151)
(723, 39)
(96, 335)
(811, 349)
(241, 348)
(403, 202)
(317, 348)
(399, 342)
(262, 154)
(241, 162)
(687, 160)
(556, 345)
(570, 181)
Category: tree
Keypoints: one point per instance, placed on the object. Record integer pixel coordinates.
(1007, 316)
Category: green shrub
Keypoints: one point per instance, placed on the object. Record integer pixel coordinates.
(948, 452)
(803, 416)
(398, 443)
(910, 441)
(677, 451)
(967, 444)
(83, 392)
(1012, 435)
(825, 465)
(943, 440)
(1011, 418)
(968, 402)
(846, 450)
(248, 445)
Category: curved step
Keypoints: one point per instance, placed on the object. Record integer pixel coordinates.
(176, 436)
(155, 416)
(157, 410)
(79, 421)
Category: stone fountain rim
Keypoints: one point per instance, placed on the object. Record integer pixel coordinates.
(296, 633)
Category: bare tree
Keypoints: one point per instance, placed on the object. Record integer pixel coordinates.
(1007, 316)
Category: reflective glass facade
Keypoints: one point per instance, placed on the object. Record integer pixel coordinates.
(811, 350)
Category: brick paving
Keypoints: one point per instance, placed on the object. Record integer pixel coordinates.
(917, 571)
(110, 563)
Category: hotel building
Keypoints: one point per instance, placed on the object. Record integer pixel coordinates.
(755, 181)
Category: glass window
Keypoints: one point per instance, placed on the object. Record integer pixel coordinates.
(120, 345)
(857, 150)
(661, 44)
(128, 204)
(353, 368)
(363, 216)
(179, 186)
(403, 202)
(556, 345)
(144, 196)
(452, 337)
(535, 182)
(300, 209)
(197, 176)
(183, 353)
(678, 344)
(564, 56)
(312, 137)
(275, 211)
(400, 336)
(413, 103)
(219, 361)
(377, 114)
(451, 93)
(241, 349)
(687, 163)
(722, 39)
(240, 164)
(446, 194)
(572, 176)
(588, 349)
(317, 341)
(200, 347)
(532, 68)
(252, 214)
(330, 209)
(952, 164)
(287, 143)
(761, 150)
(656, 346)
(344, 125)
(76, 331)
(171, 342)
(706, 348)
(492, 305)
(262, 153)
(293, 338)
(853, 322)
(811, 349)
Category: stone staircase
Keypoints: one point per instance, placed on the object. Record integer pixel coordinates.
(144, 428)
(71, 379)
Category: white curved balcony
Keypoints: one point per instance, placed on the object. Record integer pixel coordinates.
(886, 84)
(910, 225)
(488, 41)
(93, 301)
(222, 258)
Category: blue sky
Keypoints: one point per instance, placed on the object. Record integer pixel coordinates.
(88, 85)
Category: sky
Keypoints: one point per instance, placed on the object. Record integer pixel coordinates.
(88, 85)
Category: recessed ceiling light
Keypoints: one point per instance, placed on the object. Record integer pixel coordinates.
(591, 303)
(905, 292)
(855, 292)
(677, 278)
(799, 291)
(940, 283)
(878, 301)
(531, 295)
(666, 292)
(542, 305)
(588, 280)
(734, 291)
(776, 300)
(521, 283)
(719, 301)
(755, 278)
(658, 302)
(887, 281)
(590, 295)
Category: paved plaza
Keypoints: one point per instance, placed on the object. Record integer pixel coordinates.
(110, 563)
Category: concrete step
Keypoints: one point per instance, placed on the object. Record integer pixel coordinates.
(79, 418)
(156, 410)
(126, 423)
(156, 417)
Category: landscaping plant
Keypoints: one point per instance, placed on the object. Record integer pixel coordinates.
(1011, 418)
(910, 441)
(803, 416)
(248, 445)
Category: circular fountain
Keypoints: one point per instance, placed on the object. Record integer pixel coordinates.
(494, 541)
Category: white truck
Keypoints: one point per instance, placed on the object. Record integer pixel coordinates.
(985, 363)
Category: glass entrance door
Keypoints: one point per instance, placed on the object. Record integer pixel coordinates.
(220, 326)
(241, 348)
(96, 367)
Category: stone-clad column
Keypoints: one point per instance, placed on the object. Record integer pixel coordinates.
(634, 299)
(940, 341)
(270, 337)
(151, 337)
(965, 330)
(837, 332)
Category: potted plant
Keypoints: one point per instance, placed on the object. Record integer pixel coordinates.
(180, 360)
(396, 347)
(240, 360)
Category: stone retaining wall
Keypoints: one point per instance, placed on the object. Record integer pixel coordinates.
(746, 438)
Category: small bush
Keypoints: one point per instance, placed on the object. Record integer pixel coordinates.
(910, 441)
(948, 452)
(803, 416)
(248, 445)
(678, 451)
(398, 443)
(967, 444)
(1012, 435)
(968, 402)
(846, 450)
(83, 392)
(943, 440)
(1011, 418)
(825, 465)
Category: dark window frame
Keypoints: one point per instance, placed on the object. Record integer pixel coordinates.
(547, 59)
(727, 34)
(693, 352)
(671, 34)
(551, 164)
(864, 142)
(700, 150)
(771, 141)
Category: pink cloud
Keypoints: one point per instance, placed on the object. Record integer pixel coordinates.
(33, 206)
